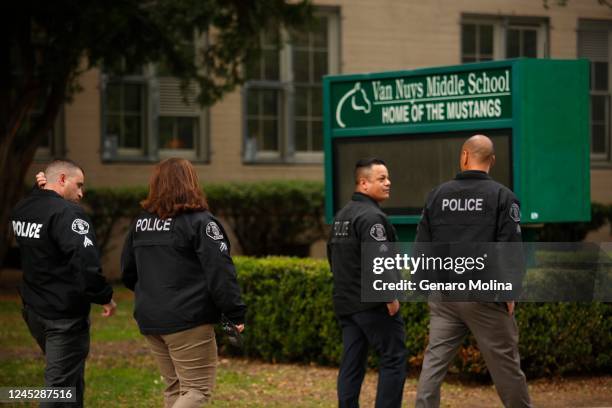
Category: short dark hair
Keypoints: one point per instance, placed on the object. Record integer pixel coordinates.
(59, 164)
(366, 163)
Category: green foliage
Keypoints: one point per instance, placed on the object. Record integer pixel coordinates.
(107, 206)
(269, 217)
(279, 217)
(290, 314)
(558, 338)
(290, 318)
(47, 42)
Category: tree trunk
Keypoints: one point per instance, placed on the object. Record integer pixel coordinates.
(12, 173)
(17, 150)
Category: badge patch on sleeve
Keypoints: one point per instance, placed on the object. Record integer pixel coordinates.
(80, 227)
(378, 232)
(213, 231)
(87, 242)
(515, 212)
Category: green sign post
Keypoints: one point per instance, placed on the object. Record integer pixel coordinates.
(536, 112)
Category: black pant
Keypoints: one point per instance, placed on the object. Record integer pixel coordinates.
(387, 335)
(65, 344)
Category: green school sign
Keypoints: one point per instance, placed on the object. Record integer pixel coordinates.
(436, 98)
(535, 111)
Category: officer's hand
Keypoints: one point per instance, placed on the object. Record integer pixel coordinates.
(393, 307)
(240, 327)
(109, 308)
(510, 307)
(41, 180)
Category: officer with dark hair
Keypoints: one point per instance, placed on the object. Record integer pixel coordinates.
(493, 215)
(61, 273)
(363, 324)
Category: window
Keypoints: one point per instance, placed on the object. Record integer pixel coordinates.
(181, 125)
(147, 117)
(488, 38)
(283, 99)
(310, 63)
(594, 44)
(125, 115)
(263, 96)
(476, 42)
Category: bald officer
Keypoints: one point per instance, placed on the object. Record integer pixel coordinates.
(472, 208)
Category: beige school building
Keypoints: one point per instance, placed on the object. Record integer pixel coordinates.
(271, 128)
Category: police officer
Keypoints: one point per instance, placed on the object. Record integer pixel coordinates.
(376, 324)
(472, 208)
(61, 273)
(176, 259)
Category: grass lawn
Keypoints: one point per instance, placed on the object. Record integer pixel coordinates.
(121, 373)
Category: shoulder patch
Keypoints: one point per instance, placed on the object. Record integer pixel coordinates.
(377, 231)
(87, 242)
(213, 231)
(80, 226)
(515, 212)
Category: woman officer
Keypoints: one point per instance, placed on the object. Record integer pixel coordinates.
(176, 259)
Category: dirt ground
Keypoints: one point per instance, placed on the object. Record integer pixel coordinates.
(301, 381)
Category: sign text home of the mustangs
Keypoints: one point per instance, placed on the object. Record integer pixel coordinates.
(444, 97)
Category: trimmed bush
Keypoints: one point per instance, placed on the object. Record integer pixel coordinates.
(290, 319)
(290, 314)
(107, 206)
(271, 217)
(279, 217)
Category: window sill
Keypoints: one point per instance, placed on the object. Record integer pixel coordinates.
(148, 160)
(601, 165)
(283, 162)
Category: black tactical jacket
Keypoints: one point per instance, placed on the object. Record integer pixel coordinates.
(60, 261)
(471, 208)
(360, 221)
(181, 272)
(475, 214)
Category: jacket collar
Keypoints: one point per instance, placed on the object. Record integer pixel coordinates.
(46, 193)
(364, 198)
(473, 174)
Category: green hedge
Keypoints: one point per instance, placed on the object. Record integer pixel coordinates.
(268, 217)
(271, 217)
(290, 318)
(107, 206)
(278, 217)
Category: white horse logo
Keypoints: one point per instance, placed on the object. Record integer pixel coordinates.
(359, 102)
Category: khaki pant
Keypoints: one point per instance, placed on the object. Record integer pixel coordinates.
(188, 362)
(497, 336)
